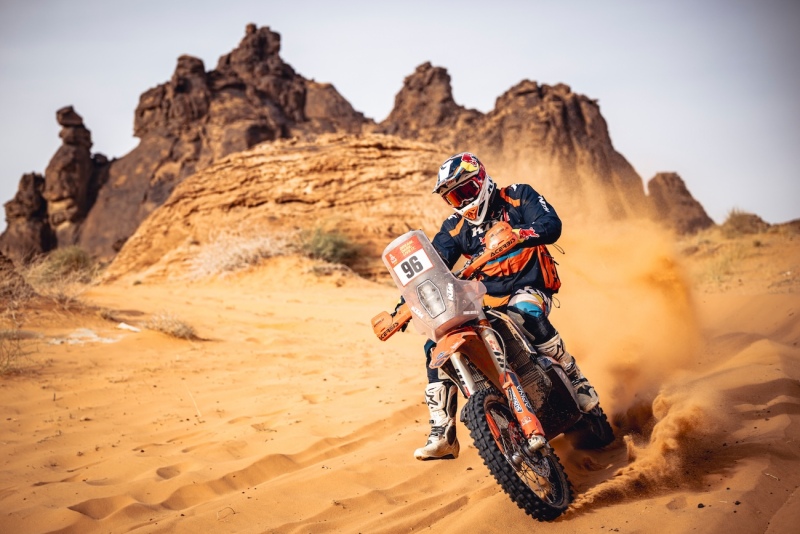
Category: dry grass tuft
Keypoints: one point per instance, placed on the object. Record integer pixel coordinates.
(108, 315)
(329, 246)
(725, 261)
(741, 222)
(15, 345)
(71, 263)
(168, 324)
(62, 275)
(15, 349)
(228, 252)
(232, 251)
(15, 293)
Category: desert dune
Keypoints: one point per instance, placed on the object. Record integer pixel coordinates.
(285, 414)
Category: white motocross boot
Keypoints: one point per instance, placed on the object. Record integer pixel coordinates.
(442, 401)
(554, 348)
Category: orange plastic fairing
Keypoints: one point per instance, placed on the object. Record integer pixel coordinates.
(385, 325)
(449, 345)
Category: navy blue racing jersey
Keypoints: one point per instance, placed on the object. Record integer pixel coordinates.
(523, 208)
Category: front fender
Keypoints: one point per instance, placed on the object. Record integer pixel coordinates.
(450, 343)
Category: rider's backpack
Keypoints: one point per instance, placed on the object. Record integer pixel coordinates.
(548, 267)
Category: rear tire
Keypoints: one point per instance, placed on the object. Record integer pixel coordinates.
(592, 431)
(535, 481)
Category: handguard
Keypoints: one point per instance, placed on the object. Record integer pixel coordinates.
(499, 240)
(386, 325)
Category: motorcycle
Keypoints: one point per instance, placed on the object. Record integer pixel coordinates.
(517, 400)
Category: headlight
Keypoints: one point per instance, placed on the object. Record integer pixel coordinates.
(431, 298)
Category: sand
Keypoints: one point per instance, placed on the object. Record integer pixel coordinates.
(288, 415)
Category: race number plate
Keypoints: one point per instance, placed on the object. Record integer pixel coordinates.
(409, 260)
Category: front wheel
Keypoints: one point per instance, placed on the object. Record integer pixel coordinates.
(535, 481)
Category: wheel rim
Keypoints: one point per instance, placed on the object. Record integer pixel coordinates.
(533, 469)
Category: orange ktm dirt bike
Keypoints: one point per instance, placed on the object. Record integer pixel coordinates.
(517, 400)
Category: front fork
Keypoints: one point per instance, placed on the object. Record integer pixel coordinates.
(517, 398)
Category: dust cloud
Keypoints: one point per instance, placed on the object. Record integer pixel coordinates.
(684, 422)
(628, 316)
(626, 312)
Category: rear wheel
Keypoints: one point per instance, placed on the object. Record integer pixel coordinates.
(592, 431)
(535, 481)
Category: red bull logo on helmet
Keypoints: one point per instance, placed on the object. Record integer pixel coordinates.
(469, 162)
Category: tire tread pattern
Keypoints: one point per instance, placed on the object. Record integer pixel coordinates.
(504, 473)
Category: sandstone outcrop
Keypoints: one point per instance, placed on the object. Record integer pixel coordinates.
(72, 178)
(425, 109)
(671, 202)
(28, 232)
(199, 117)
(348, 183)
(48, 211)
(547, 136)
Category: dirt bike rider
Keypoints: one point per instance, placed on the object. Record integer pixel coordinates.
(513, 280)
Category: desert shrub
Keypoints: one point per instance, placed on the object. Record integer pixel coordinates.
(62, 267)
(229, 252)
(15, 293)
(740, 222)
(168, 324)
(329, 246)
(14, 354)
(68, 262)
(14, 290)
(724, 261)
(232, 251)
(108, 315)
(62, 275)
(14, 344)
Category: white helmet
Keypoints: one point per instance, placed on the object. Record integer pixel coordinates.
(465, 186)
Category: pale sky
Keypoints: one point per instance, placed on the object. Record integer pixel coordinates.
(707, 89)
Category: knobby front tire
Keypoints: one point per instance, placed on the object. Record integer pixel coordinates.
(536, 482)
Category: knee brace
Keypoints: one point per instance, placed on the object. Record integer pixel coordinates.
(539, 327)
(529, 308)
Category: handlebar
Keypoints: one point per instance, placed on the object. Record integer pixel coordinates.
(499, 240)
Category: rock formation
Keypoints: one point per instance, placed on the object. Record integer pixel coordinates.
(672, 203)
(550, 137)
(47, 211)
(28, 232)
(72, 178)
(425, 108)
(199, 117)
(289, 185)
(547, 136)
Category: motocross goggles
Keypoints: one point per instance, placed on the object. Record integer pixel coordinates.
(465, 193)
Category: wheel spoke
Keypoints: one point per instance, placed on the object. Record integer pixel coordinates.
(534, 473)
(535, 480)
